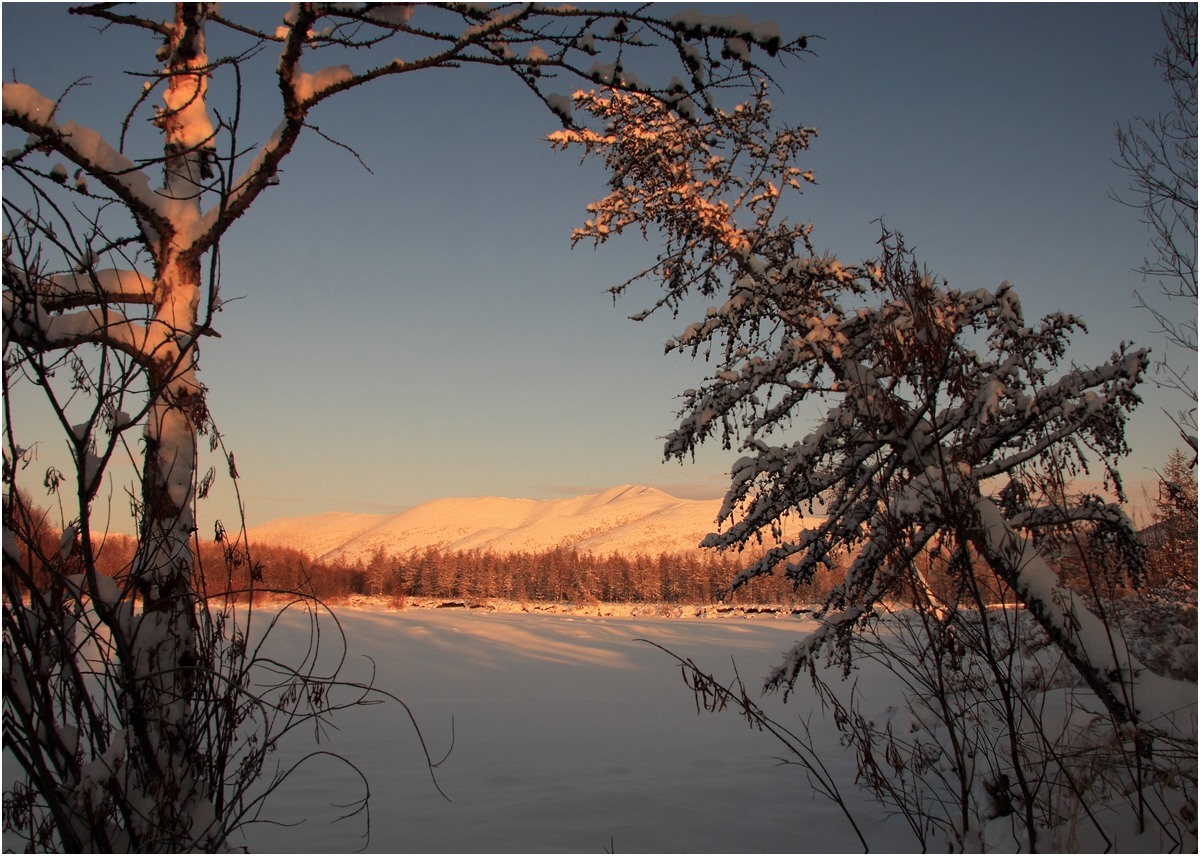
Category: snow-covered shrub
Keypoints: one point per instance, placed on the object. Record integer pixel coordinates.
(1160, 626)
(997, 744)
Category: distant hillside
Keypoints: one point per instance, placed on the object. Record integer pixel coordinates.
(628, 519)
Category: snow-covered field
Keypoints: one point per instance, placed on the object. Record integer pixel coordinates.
(569, 735)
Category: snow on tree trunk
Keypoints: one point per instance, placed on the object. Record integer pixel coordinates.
(1131, 692)
(165, 639)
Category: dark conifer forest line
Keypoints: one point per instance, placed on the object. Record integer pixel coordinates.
(557, 575)
(560, 575)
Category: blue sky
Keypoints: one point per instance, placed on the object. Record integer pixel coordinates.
(427, 331)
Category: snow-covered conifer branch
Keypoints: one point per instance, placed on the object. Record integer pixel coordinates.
(1130, 691)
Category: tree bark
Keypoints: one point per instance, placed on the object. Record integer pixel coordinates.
(165, 641)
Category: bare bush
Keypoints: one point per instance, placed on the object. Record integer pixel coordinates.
(1158, 153)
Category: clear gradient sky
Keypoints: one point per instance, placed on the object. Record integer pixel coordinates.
(427, 331)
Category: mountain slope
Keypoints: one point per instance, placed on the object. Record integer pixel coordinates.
(627, 519)
(316, 535)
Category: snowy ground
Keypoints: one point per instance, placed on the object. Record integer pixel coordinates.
(570, 736)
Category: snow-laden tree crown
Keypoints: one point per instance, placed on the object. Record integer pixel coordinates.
(943, 408)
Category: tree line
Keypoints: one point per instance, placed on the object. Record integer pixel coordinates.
(567, 575)
(556, 575)
(1166, 557)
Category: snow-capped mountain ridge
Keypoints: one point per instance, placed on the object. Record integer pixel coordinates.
(625, 519)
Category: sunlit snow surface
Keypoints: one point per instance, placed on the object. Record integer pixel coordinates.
(569, 736)
(627, 519)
